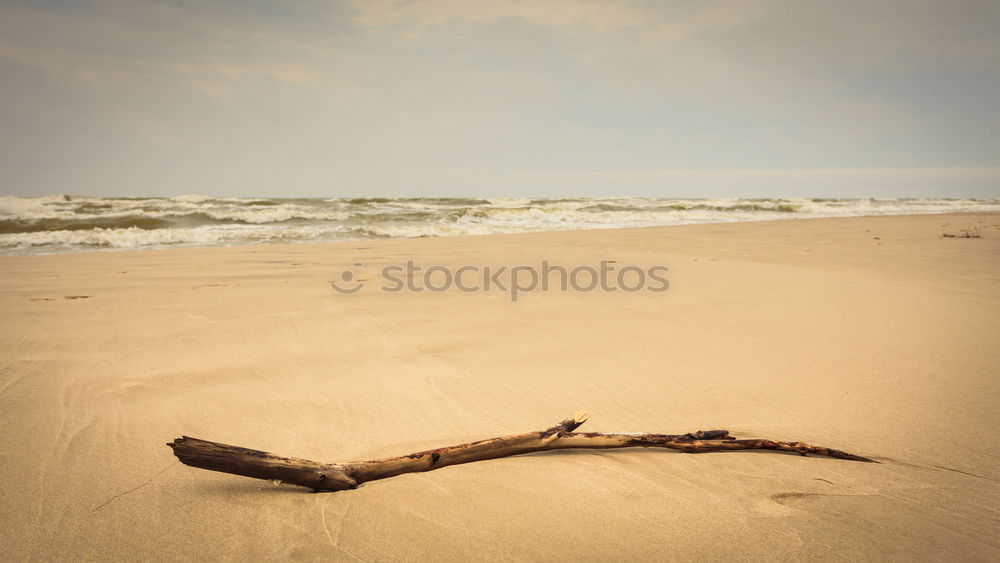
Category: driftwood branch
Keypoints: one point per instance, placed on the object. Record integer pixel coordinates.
(340, 476)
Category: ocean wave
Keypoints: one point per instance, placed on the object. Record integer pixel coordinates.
(70, 224)
(41, 242)
(67, 223)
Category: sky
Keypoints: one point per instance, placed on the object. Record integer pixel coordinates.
(458, 98)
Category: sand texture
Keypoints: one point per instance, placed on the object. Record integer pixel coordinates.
(872, 335)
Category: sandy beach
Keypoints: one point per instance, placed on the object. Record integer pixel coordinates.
(874, 335)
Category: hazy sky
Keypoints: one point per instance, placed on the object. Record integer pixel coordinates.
(504, 98)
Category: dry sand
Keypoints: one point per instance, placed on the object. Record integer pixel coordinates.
(872, 335)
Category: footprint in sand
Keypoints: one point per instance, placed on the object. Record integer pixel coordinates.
(215, 285)
(790, 497)
(785, 498)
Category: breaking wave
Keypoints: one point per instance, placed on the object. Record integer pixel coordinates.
(74, 223)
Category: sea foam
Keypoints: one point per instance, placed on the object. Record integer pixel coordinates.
(76, 223)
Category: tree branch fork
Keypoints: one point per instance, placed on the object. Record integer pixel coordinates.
(342, 476)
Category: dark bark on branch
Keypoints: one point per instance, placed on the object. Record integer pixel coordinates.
(341, 476)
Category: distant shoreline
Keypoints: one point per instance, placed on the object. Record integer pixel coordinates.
(561, 235)
(66, 224)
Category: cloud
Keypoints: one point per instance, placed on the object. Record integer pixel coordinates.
(600, 16)
(100, 48)
(858, 31)
(419, 94)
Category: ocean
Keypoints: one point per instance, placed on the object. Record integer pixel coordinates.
(58, 224)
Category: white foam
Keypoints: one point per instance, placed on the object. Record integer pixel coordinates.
(12, 207)
(198, 220)
(135, 238)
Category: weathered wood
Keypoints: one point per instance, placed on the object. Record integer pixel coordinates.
(364, 471)
(695, 442)
(261, 465)
(341, 476)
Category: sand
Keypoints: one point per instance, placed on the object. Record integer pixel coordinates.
(872, 335)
